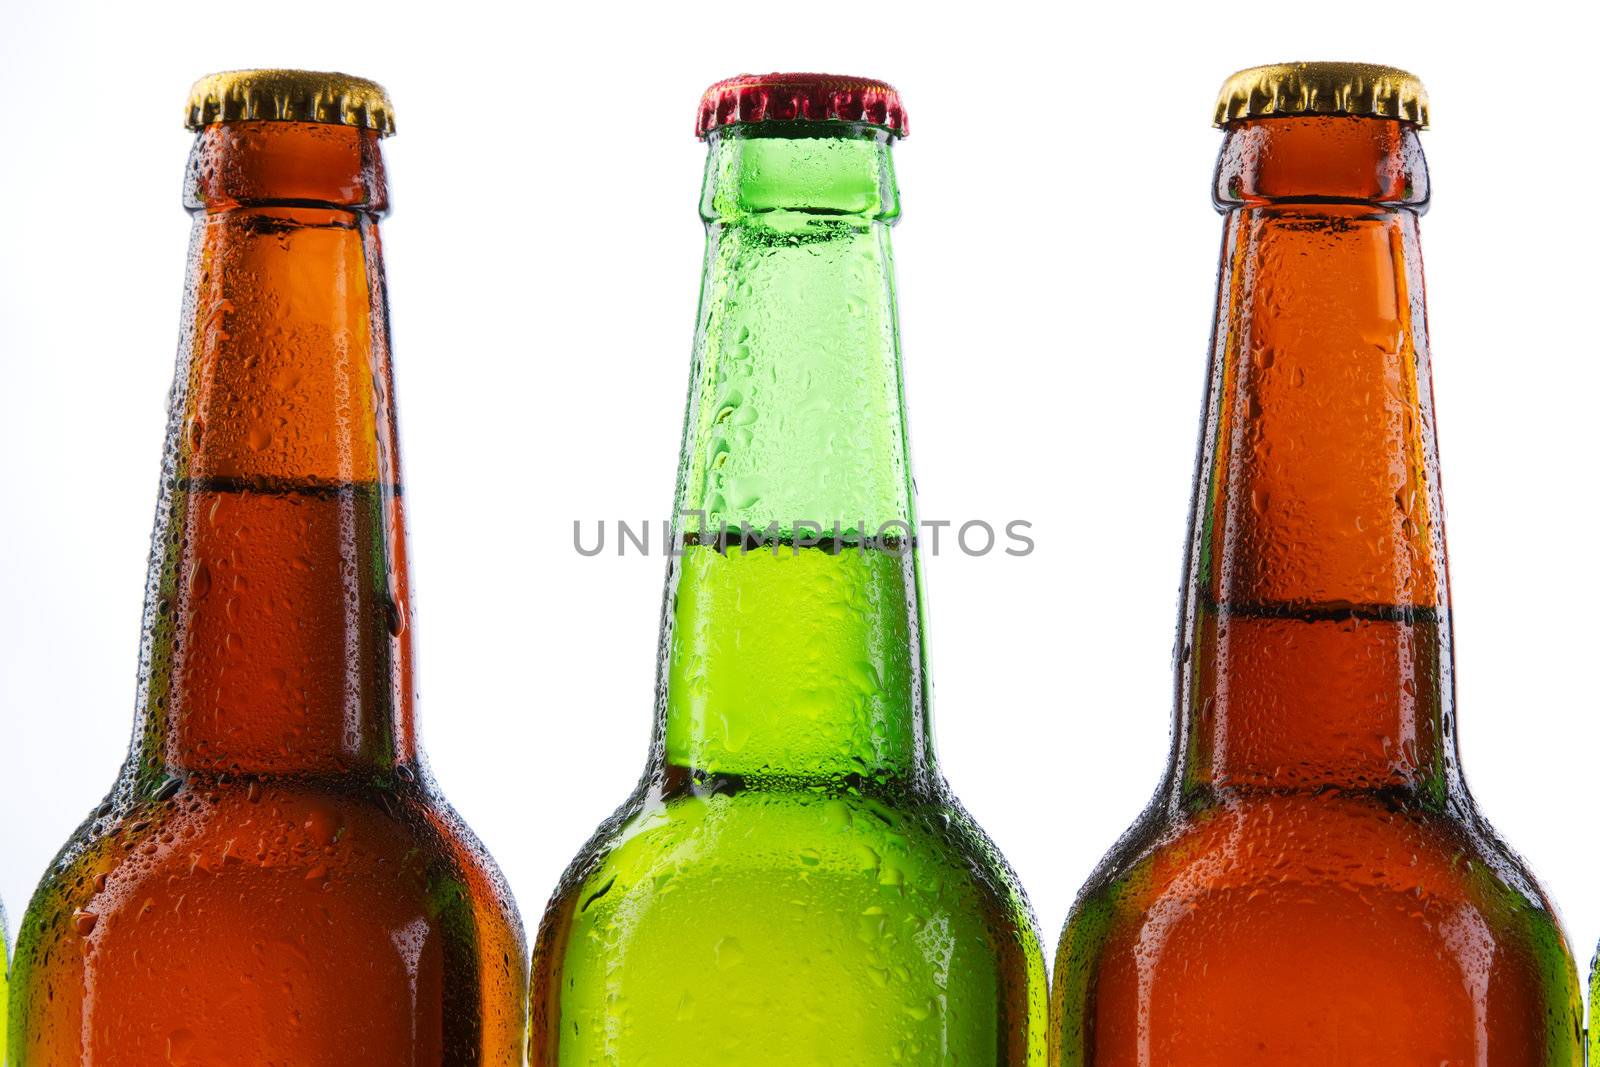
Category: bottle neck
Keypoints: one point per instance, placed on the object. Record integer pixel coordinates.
(792, 636)
(277, 637)
(1316, 635)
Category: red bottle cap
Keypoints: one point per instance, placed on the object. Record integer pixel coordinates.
(801, 98)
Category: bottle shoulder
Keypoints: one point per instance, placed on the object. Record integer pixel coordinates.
(788, 926)
(216, 910)
(1375, 838)
(1241, 857)
(1318, 907)
(915, 849)
(319, 839)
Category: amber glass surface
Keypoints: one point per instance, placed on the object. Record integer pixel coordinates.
(275, 879)
(1313, 885)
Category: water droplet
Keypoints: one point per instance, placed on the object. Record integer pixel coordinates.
(180, 1043)
(322, 826)
(730, 953)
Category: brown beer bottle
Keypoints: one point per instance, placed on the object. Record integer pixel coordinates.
(275, 879)
(1313, 884)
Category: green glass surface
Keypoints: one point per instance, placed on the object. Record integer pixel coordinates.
(792, 882)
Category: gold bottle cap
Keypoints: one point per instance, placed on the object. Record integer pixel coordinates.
(290, 96)
(1368, 90)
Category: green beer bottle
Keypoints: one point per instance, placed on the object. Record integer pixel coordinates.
(792, 882)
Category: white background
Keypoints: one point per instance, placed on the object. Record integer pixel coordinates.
(1057, 257)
